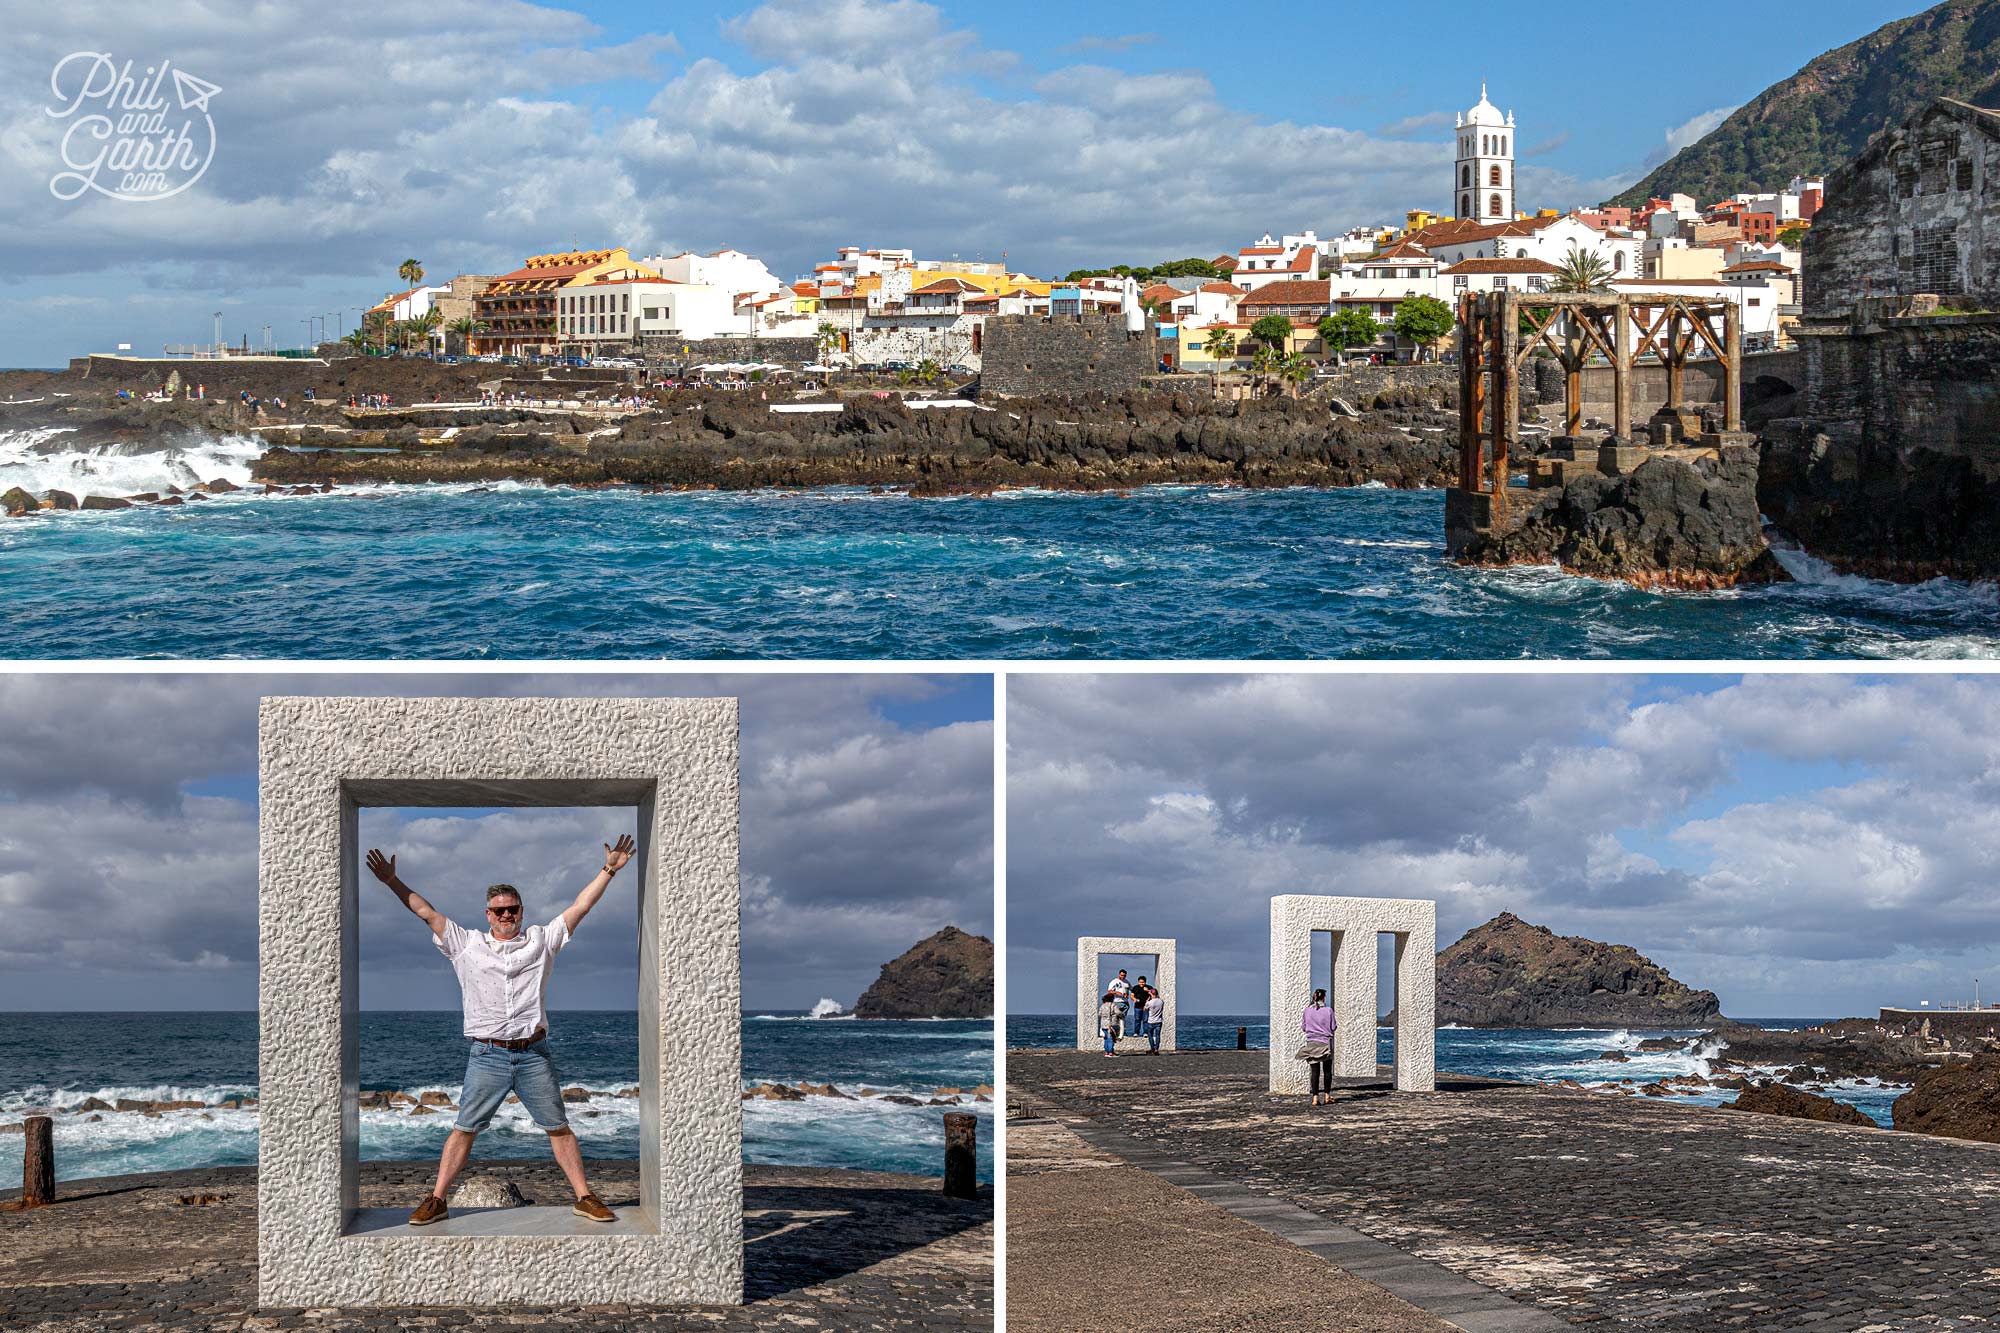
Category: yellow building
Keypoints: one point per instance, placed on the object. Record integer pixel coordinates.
(1419, 218)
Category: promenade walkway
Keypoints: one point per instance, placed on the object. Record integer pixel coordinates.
(825, 1250)
(1582, 1209)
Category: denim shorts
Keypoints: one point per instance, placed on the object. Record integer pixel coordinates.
(491, 1072)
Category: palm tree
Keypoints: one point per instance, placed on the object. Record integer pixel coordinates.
(429, 322)
(376, 322)
(1221, 343)
(357, 340)
(1581, 272)
(1295, 370)
(827, 337)
(410, 271)
(927, 370)
(465, 326)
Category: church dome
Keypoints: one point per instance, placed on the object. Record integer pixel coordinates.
(1485, 113)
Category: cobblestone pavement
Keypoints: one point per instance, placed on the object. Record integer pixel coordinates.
(1595, 1209)
(827, 1249)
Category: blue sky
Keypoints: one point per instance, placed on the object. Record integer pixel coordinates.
(1801, 844)
(469, 134)
(128, 838)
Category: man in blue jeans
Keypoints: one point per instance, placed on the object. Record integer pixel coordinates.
(503, 975)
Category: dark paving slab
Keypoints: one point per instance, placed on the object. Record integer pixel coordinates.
(825, 1250)
(1589, 1208)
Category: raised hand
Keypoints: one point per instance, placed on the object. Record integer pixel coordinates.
(382, 867)
(616, 857)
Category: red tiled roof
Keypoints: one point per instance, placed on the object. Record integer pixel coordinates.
(1400, 250)
(1458, 232)
(1220, 289)
(946, 287)
(1262, 250)
(1312, 291)
(1161, 291)
(1759, 266)
(1502, 266)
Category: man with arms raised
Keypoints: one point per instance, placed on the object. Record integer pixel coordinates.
(504, 976)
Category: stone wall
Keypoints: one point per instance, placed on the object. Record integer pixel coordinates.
(1894, 468)
(1701, 382)
(1363, 384)
(1917, 211)
(1032, 354)
(947, 344)
(661, 350)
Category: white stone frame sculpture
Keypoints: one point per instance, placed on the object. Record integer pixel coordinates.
(1090, 948)
(320, 761)
(1354, 922)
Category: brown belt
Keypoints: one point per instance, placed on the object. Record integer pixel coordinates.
(515, 1043)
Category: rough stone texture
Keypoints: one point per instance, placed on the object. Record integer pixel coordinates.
(825, 1250)
(1089, 948)
(661, 351)
(1850, 1048)
(1778, 1099)
(320, 761)
(1917, 210)
(1960, 1100)
(1033, 354)
(948, 975)
(1893, 467)
(1701, 382)
(1354, 923)
(1607, 1211)
(1669, 523)
(1510, 974)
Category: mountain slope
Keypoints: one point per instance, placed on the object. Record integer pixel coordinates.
(949, 975)
(1823, 115)
(1510, 974)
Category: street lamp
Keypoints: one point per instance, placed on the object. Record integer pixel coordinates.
(218, 334)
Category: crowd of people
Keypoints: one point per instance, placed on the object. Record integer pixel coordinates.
(1131, 1009)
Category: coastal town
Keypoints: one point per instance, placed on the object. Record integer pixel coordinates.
(1277, 306)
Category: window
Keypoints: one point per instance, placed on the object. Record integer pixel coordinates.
(1465, 204)
(1493, 206)
(1465, 175)
(1617, 261)
(1493, 174)
(1538, 284)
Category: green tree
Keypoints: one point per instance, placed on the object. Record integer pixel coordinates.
(1581, 271)
(1351, 327)
(1423, 320)
(928, 370)
(1793, 237)
(410, 271)
(1295, 370)
(826, 338)
(376, 323)
(1272, 330)
(357, 340)
(1221, 343)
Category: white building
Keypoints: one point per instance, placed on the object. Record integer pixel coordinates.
(1483, 175)
(731, 271)
(622, 308)
(1291, 259)
(1547, 239)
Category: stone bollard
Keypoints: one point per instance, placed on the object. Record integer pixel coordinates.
(38, 1166)
(961, 1155)
(1243, 1039)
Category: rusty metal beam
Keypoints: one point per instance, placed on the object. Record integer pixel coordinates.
(1621, 368)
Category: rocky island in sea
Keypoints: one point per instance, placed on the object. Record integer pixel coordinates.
(949, 975)
(1511, 974)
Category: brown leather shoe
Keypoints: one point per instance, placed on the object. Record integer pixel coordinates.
(431, 1210)
(592, 1207)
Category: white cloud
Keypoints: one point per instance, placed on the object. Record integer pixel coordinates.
(1797, 843)
(1696, 127)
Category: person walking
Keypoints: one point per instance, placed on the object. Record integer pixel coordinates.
(1317, 1022)
(503, 974)
(1156, 1013)
(1108, 1020)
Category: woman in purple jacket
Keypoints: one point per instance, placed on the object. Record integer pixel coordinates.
(1318, 1025)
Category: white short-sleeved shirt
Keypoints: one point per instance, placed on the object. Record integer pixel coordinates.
(503, 982)
(1119, 987)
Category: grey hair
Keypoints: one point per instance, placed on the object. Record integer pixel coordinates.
(495, 890)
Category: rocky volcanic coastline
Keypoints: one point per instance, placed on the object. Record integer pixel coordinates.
(949, 975)
(1510, 974)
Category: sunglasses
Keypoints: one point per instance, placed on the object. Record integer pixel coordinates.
(515, 910)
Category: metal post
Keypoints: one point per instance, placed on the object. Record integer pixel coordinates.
(961, 1155)
(1468, 429)
(1621, 369)
(1243, 1039)
(38, 1167)
(1676, 361)
(1732, 367)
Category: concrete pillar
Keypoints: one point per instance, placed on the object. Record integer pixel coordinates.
(1354, 923)
(1732, 367)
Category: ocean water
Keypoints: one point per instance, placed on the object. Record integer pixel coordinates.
(1176, 572)
(57, 1061)
(1530, 1055)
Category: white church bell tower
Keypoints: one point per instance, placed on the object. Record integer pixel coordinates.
(1483, 177)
